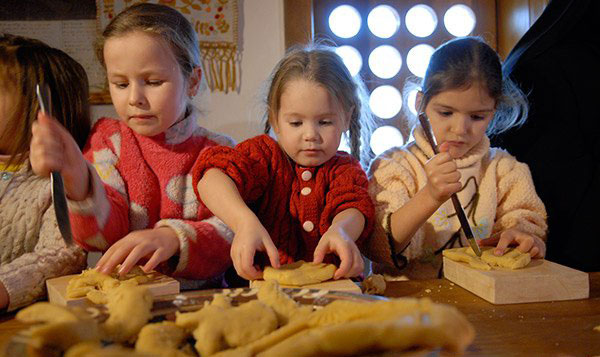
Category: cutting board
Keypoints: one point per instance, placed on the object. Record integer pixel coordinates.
(345, 285)
(57, 289)
(541, 280)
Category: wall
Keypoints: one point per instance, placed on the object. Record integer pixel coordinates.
(240, 114)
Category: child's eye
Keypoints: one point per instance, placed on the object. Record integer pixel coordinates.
(154, 82)
(446, 113)
(121, 85)
(477, 117)
(295, 123)
(325, 122)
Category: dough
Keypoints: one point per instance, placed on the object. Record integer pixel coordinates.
(300, 273)
(129, 309)
(59, 327)
(511, 259)
(94, 285)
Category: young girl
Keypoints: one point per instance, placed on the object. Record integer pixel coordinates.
(31, 247)
(310, 198)
(464, 95)
(138, 203)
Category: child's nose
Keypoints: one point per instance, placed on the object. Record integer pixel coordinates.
(460, 125)
(311, 133)
(136, 96)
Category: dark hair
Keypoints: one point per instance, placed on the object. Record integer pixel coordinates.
(26, 62)
(162, 21)
(320, 64)
(463, 61)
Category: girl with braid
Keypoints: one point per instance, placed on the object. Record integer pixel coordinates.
(296, 197)
(465, 97)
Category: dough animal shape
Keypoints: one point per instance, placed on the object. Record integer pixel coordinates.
(300, 273)
(511, 259)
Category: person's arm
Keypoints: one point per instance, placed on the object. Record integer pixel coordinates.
(50, 258)
(53, 148)
(221, 196)
(346, 227)
(443, 179)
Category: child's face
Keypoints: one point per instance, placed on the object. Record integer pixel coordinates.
(460, 117)
(309, 124)
(146, 85)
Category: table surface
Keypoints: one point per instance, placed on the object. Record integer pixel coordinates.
(559, 328)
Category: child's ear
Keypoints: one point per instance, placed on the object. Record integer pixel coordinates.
(194, 82)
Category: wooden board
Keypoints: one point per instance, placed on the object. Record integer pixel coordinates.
(57, 289)
(541, 280)
(345, 285)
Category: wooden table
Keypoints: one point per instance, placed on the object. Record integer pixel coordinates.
(536, 329)
(560, 328)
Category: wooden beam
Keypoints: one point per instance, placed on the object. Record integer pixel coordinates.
(298, 22)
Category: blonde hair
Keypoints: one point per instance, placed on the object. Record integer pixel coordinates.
(164, 22)
(321, 65)
(26, 62)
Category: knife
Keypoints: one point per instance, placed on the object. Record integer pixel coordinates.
(460, 212)
(56, 181)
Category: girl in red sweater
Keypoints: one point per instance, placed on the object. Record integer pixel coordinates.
(135, 201)
(296, 197)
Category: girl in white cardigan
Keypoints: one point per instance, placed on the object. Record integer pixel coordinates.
(31, 246)
(465, 96)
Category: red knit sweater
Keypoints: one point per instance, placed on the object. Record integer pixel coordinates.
(144, 182)
(295, 204)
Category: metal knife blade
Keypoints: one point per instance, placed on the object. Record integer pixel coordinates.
(56, 182)
(460, 212)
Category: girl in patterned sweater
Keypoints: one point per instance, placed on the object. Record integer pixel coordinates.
(135, 201)
(464, 95)
(296, 197)
(31, 247)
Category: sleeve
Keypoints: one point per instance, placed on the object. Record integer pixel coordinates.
(25, 277)
(204, 247)
(248, 165)
(103, 217)
(519, 206)
(348, 188)
(392, 183)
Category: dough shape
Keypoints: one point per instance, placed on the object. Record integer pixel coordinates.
(300, 273)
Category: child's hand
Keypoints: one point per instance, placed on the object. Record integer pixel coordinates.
(442, 176)
(524, 242)
(158, 244)
(52, 148)
(336, 241)
(249, 238)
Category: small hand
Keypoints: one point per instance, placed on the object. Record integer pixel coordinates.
(443, 178)
(158, 244)
(250, 238)
(336, 241)
(526, 243)
(53, 148)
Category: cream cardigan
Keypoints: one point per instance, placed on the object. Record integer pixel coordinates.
(498, 193)
(31, 247)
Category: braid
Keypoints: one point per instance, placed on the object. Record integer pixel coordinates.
(355, 127)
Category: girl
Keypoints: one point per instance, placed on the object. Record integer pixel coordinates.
(463, 95)
(138, 203)
(31, 247)
(311, 199)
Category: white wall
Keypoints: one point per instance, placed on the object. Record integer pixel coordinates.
(240, 114)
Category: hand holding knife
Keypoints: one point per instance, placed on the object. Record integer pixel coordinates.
(460, 212)
(58, 189)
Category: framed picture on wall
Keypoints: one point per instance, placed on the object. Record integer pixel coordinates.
(74, 25)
